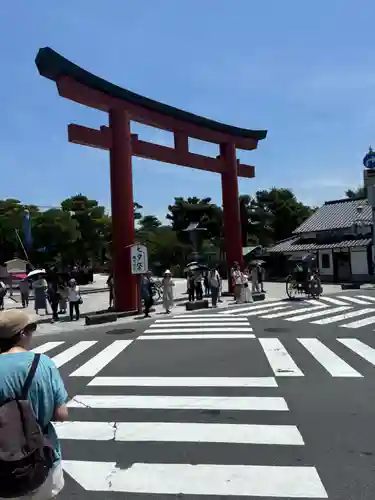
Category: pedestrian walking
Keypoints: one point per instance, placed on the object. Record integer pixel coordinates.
(214, 282)
(206, 283)
(40, 294)
(147, 290)
(63, 296)
(24, 286)
(75, 299)
(53, 298)
(30, 462)
(3, 292)
(110, 284)
(167, 285)
(220, 286)
(261, 277)
(191, 286)
(198, 282)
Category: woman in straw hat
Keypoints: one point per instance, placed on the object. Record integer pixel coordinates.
(46, 395)
(167, 285)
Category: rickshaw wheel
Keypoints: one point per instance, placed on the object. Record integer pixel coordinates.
(291, 287)
(315, 287)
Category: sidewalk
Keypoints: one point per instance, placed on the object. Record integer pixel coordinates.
(99, 301)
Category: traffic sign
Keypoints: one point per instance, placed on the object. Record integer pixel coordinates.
(369, 159)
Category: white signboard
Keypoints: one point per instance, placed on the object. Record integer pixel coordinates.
(16, 266)
(139, 259)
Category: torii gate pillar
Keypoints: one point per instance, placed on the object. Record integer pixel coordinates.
(231, 207)
(122, 210)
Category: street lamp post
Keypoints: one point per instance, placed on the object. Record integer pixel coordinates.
(369, 184)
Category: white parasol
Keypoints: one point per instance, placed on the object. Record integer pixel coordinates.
(36, 272)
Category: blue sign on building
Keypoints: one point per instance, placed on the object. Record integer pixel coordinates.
(369, 159)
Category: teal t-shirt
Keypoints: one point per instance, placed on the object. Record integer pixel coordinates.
(47, 390)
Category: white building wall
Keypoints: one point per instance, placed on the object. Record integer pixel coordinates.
(358, 261)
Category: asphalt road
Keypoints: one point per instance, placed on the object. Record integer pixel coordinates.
(294, 407)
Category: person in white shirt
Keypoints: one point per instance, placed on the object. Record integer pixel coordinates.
(246, 288)
(74, 297)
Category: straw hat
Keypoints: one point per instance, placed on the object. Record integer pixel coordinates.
(13, 322)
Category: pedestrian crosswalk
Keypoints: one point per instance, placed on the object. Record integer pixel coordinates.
(96, 362)
(199, 326)
(173, 446)
(294, 357)
(345, 311)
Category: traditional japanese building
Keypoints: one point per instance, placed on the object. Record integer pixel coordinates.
(340, 234)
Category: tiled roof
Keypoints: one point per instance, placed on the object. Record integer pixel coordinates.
(247, 250)
(336, 215)
(292, 245)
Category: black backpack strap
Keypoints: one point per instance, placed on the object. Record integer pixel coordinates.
(30, 376)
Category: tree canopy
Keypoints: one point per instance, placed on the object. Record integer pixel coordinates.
(359, 192)
(79, 230)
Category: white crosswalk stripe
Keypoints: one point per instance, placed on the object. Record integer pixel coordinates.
(98, 362)
(359, 323)
(356, 300)
(366, 352)
(327, 310)
(332, 300)
(366, 297)
(184, 382)
(48, 346)
(251, 307)
(292, 313)
(207, 336)
(197, 326)
(328, 359)
(316, 314)
(341, 317)
(188, 476)
(72, 352)
(283, 365)
(281, 361)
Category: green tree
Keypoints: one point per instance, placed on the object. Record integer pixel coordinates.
(165, 250)
(359, 192)
(255, 222)
(281, 212)
(93, 224)
(203, 211)
(137, 211)
(149, 223)
(12, 213)
(55, 235)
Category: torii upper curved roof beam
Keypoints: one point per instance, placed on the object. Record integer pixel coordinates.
(72, 80)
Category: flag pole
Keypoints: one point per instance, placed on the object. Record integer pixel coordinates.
(23, 248)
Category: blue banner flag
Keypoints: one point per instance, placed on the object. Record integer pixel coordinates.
(27, 229)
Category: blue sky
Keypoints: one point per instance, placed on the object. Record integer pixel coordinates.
(303, 70)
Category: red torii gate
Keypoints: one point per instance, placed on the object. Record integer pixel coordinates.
(122, 106)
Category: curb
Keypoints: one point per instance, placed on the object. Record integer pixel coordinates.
(106, 312)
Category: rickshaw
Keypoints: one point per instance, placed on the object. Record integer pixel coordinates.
(304, 278)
